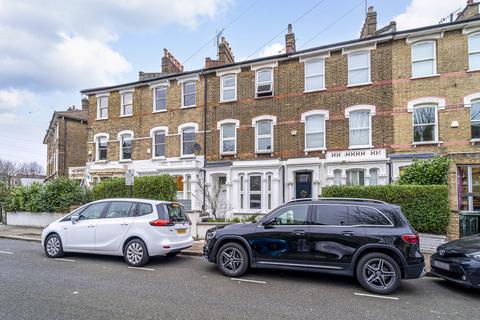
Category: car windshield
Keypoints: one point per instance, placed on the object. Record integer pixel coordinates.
(174, 212)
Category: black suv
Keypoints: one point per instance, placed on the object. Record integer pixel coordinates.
(368, 239)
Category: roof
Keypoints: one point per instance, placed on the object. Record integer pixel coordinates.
(74, 114)
(335, 46)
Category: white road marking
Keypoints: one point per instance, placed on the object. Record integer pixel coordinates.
(139, 268)
(375, 296)
(6, 252)
(62, 259)
(247, 280)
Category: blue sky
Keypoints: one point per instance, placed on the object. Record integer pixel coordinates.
(50, 50)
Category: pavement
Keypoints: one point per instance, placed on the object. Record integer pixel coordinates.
(81, 286)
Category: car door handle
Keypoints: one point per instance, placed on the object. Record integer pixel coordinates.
(348, 233)
(124, 224)
(91, 226)
(298, 233)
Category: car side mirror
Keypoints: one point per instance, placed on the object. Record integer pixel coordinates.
(74, 218)
(268, 222)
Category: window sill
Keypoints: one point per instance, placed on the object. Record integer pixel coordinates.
(264, 152)
(158, 158)
(474, 141)
(359, 84)
(159, 111)
(99, 119)
(316, 90)
(228, 153)
(188, 156)
(227, 101)
(425, 77)
(426, 143)
(125, 161)
(473, 70)
(101, 161)
(188, 107)
(315, 150)
(126, 116)
(265, 97)
(360, 147)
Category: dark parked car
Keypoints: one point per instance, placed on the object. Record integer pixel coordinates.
(367, 239)
(458, 261)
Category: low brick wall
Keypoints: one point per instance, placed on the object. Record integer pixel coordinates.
(32, 219)
(430, 242)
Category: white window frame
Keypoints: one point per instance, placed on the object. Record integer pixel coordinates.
(182, 81)
(96, 138)
(180, 131)
(467, 103)
(358, 170)
(306, 62)
(473, 34)
(257, 83)
(220, 125)
(161, 87)
(250, 192)
(340, 177)
(269, 191)
(377, 172)
(153, 131)
(122, 102)
(222, 88)
(434, 58)
(355, 53)
(372, 110)
(439, 105)
(100, 97)
(121, 135)
(241, 199)
(273, 120)
(304, 119)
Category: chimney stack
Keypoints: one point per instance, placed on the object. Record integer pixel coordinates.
(85, 103)
(170, 64)
(370, 25)
(225, 55)
(290, 40)
(471, 10)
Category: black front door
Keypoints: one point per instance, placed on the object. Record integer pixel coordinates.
(303, 185)
(285, 240)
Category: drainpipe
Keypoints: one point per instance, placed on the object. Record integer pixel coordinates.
(64, 145)
(205, 90)
(283, 183)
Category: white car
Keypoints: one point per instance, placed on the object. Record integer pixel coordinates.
(134, 228)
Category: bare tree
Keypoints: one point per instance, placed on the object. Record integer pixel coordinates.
(30, 168)
(213, 201)
(8, 169)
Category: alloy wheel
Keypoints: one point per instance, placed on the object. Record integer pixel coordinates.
(231, 259)
(379, 273)
(53, 246)
(134, 253)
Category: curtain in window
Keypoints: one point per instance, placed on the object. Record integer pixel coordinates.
(314, 131)
(359, 128)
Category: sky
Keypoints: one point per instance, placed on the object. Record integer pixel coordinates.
(50, 49)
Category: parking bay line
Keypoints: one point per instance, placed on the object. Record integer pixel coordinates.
(6, 252)
(247, 280)
(66, 260)
(375, 296)
(140, 268)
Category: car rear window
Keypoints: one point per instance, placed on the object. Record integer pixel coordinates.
(363, 215)
(173, 212)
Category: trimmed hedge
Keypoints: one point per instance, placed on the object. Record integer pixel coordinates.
(425, 206)
(162, 187)
(426, 172)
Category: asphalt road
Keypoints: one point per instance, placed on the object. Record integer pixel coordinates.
(95, 287)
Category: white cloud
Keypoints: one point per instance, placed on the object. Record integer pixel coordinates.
(273, 49)
(426, 12)
(11, 102)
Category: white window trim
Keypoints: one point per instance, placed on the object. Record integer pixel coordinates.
(434, 74)
(426, 100)
(470, 34)
(467, 100)
(122, 93)
(120, 136)
(98, 97)
(154, 97)
(95, 139)
(257, 83)
(326, 116)
(273, 119)
(250, 192)
(153, 131)
(425, 37)
(180, 131)
(220, 129)
(365, 107)
(224, 72)
(369, 81)
(183, 95)
(222, 99)
(305, 63)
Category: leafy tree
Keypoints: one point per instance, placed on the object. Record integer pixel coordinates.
(426, 172)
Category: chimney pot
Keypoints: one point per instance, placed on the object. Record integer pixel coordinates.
(290, 40)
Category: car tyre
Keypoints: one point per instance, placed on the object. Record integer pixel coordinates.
(378, 273)
(53, 246)
(232, 259)
(136, 253)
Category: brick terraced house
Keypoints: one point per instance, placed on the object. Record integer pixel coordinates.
(273, 129)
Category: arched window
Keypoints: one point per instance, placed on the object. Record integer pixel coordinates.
(101, 146)
(228, 135)
(126, 142)
(188, 141)
(360, 125)
(315, 129)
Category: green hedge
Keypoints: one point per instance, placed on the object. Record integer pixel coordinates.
(426, 206)
(162, 187)
(426, 172)
(53, 196)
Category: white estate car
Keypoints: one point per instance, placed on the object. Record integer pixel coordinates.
(134, 228)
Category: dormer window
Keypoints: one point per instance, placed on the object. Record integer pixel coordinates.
(264, 83)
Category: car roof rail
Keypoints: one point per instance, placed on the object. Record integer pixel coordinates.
(354, 199)
(300, 200)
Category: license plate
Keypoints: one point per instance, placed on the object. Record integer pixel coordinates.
(441, 265)
(181, 231)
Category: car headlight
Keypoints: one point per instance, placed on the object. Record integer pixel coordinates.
(211, 235)
(475, 255)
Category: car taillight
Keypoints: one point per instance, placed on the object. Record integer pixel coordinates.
(161, 223)
(411, 238)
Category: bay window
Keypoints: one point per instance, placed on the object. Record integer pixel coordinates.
(228, 90)
(356, 177)
(359, 68)
(474, 51)
(423, 59)
(337, 177)
(255, 192)
(373, 181)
